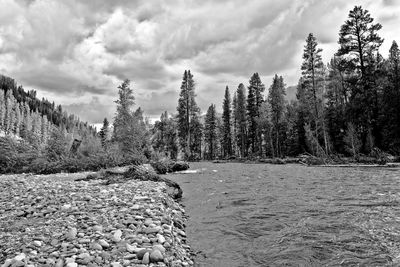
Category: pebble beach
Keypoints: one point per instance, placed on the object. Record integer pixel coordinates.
(54, 220)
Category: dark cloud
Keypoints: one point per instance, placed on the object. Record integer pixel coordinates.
(76, 50)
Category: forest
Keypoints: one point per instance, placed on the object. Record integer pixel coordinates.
(347, 107)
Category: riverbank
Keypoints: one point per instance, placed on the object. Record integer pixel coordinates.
(54, 220)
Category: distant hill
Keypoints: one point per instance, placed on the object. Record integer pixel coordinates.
(23, 114)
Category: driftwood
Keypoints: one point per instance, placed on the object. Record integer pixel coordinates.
(139, 172)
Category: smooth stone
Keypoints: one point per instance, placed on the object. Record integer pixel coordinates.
(161, 239)
(69, 260)
(147, 222)
(37, 243)
(130, 248)
(72, 264)
(159, 247)
(115, 264)
(59, 263)
(117, 236)
(130, 256)
(104, 243)
(7, 263)
(135, 207)
(156, 256)
(140, 254)
(96, 246)
(146, 258)
(20, 257)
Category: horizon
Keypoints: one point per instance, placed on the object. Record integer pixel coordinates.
(80, 65)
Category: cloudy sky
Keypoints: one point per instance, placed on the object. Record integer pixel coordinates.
(76, 52)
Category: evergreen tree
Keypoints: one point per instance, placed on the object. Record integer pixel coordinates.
(276, 99)
(188, 116)
(336, 104)
(210, 133)
(240, 117)
(359, 44)
(391, 101)
(104, 133)
(265, 126)
(226, 125)
(313, 82)
(235, 150)
(254, 101)
(128, 125)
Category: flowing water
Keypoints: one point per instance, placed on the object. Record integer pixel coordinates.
(292, 215)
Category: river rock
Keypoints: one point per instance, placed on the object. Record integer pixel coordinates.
(146, 258)
(161, 239)
(104, 243)
(117, 236)
(71, 235)
(141, 253)
(159, 247)
(130, 248)
(59, 263)
(96, 246)
(156, 256)
(37, 243)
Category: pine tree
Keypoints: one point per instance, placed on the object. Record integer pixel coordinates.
(391, 101)
(235, 150)
(129, 125)
(188, 116)
(123, 117)
(265, 126)
(254, 101)
(226, 125)
(313, 79)
(359, 44)
(210, 133)
(240, 117)
(104, 132)
(277, 103)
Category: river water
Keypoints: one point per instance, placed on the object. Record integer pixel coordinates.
(292, 215)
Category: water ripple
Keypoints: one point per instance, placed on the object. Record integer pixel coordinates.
(272, 215)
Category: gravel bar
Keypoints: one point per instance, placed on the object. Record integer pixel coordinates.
(54, 220)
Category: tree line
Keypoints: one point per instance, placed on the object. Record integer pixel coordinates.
(349, 106)
(36, 136)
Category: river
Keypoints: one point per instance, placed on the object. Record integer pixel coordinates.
(292, 215)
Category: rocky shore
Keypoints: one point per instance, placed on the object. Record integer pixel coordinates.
(55, 220)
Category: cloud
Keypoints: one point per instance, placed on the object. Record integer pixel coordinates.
(77, 52)
(93, 111)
